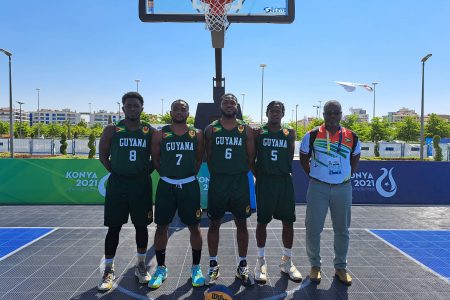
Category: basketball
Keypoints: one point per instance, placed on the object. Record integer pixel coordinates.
(218, 292)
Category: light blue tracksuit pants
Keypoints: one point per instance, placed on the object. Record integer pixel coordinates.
(338, 198)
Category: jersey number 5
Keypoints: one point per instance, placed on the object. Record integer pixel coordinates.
(274, 155)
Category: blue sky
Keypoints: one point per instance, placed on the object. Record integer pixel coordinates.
(85, 51)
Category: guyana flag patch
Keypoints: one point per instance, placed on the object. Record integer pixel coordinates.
(286, 131)
(217, 128)
(145, 130)
(263, 131)
(192, 133)
(167, 135)
(241, 128)
(120, 129)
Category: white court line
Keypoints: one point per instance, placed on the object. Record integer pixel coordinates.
(304, 284)
(185, 227)
(407, 255)
(26, 245)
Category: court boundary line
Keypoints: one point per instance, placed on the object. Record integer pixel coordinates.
(407, 255)
(29, 243)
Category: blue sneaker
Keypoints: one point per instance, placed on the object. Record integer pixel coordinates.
(197, 276)
(158, 277)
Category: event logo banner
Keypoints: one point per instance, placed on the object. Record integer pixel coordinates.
(391, 182)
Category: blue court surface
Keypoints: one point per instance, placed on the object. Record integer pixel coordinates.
(431, 248)
(14, 239)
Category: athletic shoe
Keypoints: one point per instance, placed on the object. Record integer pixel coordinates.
(314, 275)
(158, 277)
(213, 275)
(107, 280)
(288, 268)
(140, 271)
(261, 271)
(197, 276)
(244, 274)
(343, 276)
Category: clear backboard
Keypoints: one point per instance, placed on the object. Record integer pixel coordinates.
(242, 11)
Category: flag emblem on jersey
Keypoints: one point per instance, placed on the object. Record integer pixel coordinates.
(198, 214)
(241, 128)
(120, 129)
(286, 131)
(192, 133)
(247, 209)
(167, 135)
(263, 131)
(217, 129)
(145, 130)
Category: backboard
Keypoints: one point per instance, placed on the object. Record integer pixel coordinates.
(242, 11)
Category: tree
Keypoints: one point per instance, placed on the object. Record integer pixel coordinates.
(97, 129)
(350, 122)
(314, 123)
(91, 146)
(26, 130)
(379, 130)
(190, 120)
(165, 119)
(4, 127)
(41, 127)
(437, 149)
(54, 130)
(63, 147)
(301, 131)
(149, 118)
(82, 123)
(437, 126)
(408, 129)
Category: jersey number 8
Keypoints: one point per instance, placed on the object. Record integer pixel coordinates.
(132, 155)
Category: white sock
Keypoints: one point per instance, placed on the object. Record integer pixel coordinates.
(287, 252)
(213, 258)
(261, 252)
(241, 258)
(109, 263)
(141, 257)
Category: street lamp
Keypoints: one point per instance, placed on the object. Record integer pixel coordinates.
(20, 118)
(317, 110)
(137, 85)
(118, 103)
(38, 114)
(162, 107)
(262, 89)
(374, 84)
(11, 129)
(242, 106)
(422, 142)
(320, 107)
(296, 121)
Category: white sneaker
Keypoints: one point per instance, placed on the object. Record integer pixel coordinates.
(261, 271)
(107, 281)
(140, 271)
(288, 267)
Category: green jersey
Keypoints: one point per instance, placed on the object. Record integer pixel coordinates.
(229, 149)
(130, 150)
(178, 156)
(273, 152)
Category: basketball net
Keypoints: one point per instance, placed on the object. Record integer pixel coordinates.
(216, 12)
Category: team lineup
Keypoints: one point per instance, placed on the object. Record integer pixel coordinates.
(130, 150)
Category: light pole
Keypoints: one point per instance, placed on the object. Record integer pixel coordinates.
(162, 107)
(90, 108)
(137, 85)
(422, 142)
(118, 103)
(20, 118)
(320, 107)
(374, 84)
(262, 89)
(38, 114)
(242, 107)
(296, 121)
(11, 129)
(317, 110)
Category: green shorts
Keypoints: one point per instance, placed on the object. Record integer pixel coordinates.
(184, 198)
(128, 196)
(275, 198)
(229, 193)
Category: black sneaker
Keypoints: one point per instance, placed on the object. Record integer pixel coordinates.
(244, 274)
(213, 273)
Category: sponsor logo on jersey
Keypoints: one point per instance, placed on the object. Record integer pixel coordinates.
(167, 135)
(192, 133)
(145, 130)
(286, 131)
(198, 214)
(241, 128)
(120, 129)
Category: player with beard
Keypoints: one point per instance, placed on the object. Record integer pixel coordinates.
(177, 152)
(230, 154)
(125, 153)
(275, 146)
